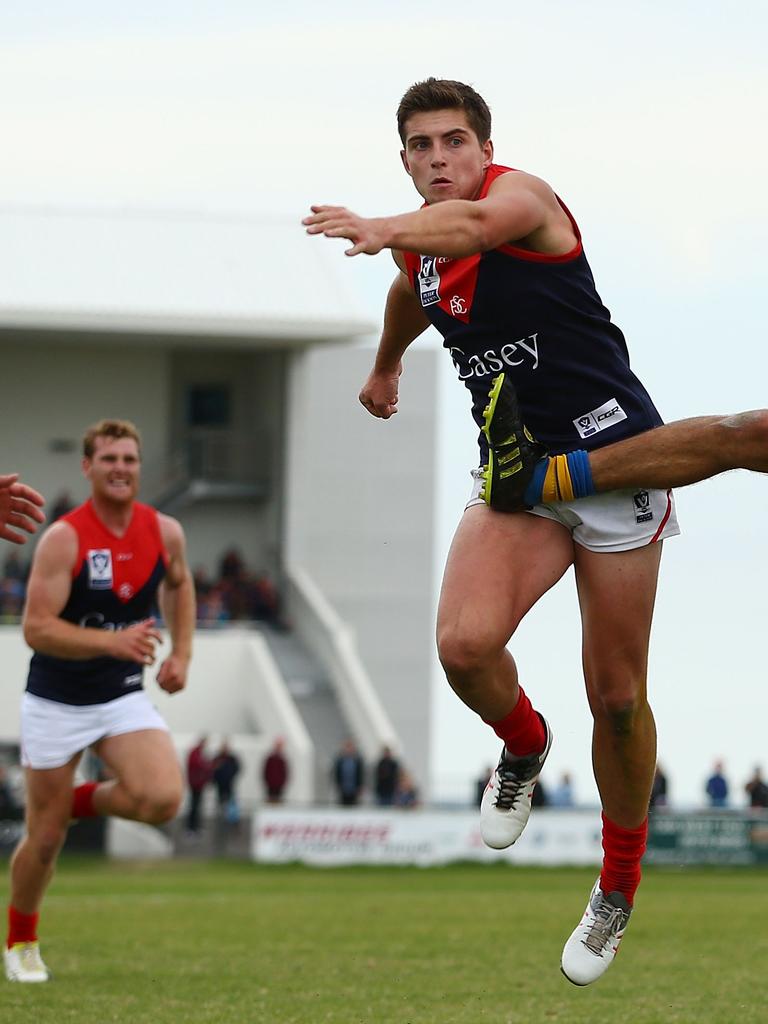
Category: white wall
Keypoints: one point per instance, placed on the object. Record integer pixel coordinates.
(55, 390)
(360, 501)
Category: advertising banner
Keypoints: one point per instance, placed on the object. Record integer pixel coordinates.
(336, 836)
(714, 838)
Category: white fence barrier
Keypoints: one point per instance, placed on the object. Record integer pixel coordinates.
(330, 837)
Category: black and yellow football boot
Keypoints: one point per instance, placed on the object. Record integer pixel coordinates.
(512, 452)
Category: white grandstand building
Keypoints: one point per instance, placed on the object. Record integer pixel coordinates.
(232, 346)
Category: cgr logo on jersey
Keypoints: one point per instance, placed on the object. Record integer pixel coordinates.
(100, 569)
(429, 281)
(643, 511)
(608, 415)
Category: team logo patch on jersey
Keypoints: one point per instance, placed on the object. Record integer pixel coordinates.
(100, 569)
(643, 511)
(608, 415)
(429, 281)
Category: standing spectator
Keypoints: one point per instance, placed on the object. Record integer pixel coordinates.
(386, 775)
(199, 771)
(10, 809)
(226, 768)
(348, 774)
(757, 790)
(658, 789)
(562, 794)
(406, 793)
(275, 773)
(481, 782)
(717, 787)
(540, 796)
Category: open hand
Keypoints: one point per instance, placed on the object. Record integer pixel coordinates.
(20, 507)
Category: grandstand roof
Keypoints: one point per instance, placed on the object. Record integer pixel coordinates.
(193, 276)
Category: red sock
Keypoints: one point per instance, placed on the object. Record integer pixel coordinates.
(82, 801)
(21, 927)
(522, 729)
(623, 849)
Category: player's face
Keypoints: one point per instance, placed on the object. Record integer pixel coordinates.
(444, 156)
(113, 469)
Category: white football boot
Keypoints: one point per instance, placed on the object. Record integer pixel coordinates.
(24, 963)
(506, 804)
(590, 950)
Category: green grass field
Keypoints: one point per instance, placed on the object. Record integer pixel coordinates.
(224, 942)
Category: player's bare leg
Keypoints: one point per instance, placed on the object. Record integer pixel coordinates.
(49, 802)
(148, 783)
(684, 452)
(617, 593)
(498, 567)
(673, 455)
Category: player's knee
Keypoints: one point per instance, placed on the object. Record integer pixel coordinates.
(620, 709)
(47, 842)
(464, 657)
(158, 807)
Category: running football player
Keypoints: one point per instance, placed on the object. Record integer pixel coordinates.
(89, 619)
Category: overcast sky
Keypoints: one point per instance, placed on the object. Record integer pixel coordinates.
(649, 119)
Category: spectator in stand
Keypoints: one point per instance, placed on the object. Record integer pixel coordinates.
(386, 775)
(275, 773)
(406, 792)
(211, 610)
(61, 506)
(226, 768)
(231, 566)
(14, 568)
(717, 787)
(348, 774)
(562, 794)
(757, 790)
(658, 789)
(203, 585)
(199, 772)
(11, 600)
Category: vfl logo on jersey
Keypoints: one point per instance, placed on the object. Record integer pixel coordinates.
(100, 569)
(429, 281)
(643, 510)
(608, 415)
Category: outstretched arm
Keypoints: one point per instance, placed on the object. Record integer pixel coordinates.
(20, 507)
(517, 206)
(404, 321)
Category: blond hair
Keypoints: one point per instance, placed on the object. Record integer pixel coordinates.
(116, 429)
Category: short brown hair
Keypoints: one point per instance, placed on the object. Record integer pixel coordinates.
(444, 94)
(115, 429)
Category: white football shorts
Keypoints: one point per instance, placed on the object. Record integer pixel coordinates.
(613, 521)
(52, 733)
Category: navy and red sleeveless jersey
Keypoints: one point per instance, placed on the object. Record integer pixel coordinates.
(114, 584)
(539, 319)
